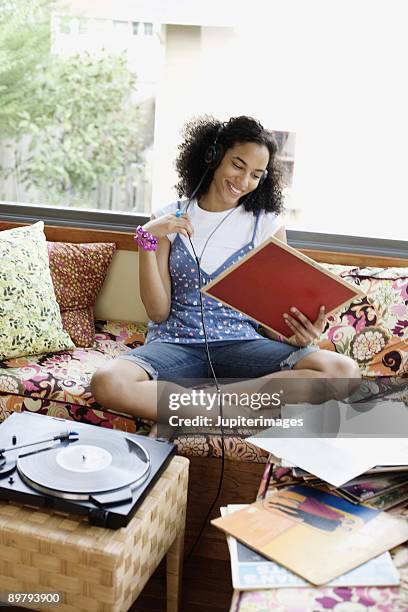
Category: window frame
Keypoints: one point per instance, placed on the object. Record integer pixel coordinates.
(125, 222)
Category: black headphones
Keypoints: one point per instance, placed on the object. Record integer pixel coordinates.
(215, 152)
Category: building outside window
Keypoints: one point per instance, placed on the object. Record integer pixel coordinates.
(121, 25)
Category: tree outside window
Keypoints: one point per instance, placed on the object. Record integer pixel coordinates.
(70, 128)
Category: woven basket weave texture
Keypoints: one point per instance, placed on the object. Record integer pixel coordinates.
(93, 568)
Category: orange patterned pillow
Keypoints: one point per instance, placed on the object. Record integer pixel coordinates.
(372, 330)
(78, 272)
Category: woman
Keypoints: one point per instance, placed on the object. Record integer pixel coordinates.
(231, 179)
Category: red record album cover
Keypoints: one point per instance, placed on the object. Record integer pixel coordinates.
(272, 278)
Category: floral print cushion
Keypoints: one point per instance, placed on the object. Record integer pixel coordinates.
(373, 330)
(393, 388)
(78, 272)
(30, 320)
(59, 384)
(208, 445)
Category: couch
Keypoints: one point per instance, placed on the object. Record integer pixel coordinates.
(373, 330)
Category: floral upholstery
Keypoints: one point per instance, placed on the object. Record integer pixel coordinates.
(208, 445)
(372, 330)
(59, 385)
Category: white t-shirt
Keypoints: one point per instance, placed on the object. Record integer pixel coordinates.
(235, 230)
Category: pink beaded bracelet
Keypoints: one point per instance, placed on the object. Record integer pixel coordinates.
(145, 239)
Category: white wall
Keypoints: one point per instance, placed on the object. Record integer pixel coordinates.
(119, 298)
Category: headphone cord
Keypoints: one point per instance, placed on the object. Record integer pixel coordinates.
(220, 405)
(221, 477)
(200, 182)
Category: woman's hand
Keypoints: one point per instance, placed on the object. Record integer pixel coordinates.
(305, 332)
(169, 224)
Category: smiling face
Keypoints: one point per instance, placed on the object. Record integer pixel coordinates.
(238, 174)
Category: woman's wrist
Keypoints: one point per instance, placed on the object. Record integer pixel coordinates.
(145, 240)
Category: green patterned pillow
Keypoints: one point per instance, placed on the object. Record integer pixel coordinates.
(30, 320)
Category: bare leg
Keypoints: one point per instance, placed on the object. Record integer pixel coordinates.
(125, 387)
(316, 378)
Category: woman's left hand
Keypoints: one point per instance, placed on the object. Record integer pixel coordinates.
(305, 332)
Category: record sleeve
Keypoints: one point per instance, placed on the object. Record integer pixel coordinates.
(250, 571)
(317, 535)
(272, 278)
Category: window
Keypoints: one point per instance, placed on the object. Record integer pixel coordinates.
(148, 29)
(286, 156)
(82, 26)
(322, 75)
(82, 131)
(65, 25)
(119, 24)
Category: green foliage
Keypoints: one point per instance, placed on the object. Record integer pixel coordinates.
(76, 112)
(88, 129)
(24, 44)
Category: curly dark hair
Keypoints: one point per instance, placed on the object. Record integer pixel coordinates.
(201, 132)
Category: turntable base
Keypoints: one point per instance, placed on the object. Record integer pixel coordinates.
(93, 568)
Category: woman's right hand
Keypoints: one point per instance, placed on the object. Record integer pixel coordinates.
(169, 224)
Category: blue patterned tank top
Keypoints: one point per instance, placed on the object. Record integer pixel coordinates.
(184, 324)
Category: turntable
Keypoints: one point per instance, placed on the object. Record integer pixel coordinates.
(78, 468)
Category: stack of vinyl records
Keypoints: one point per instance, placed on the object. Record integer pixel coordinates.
(382, 487)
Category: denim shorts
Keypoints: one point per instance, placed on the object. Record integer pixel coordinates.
(230, 358)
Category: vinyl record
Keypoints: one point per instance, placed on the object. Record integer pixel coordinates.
(95, 463)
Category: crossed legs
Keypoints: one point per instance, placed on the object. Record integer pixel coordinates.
(126, 387)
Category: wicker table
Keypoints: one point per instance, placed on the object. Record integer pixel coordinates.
(92, 568)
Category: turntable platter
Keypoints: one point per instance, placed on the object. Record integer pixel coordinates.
(94, 464)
